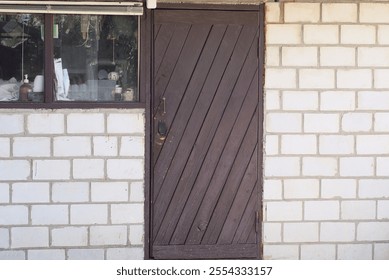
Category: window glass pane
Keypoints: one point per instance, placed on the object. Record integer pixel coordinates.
(96, 58)
(21, 54)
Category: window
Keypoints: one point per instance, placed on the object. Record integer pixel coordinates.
(69, 58)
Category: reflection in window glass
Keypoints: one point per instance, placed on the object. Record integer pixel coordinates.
(21, 56)
(96, 58)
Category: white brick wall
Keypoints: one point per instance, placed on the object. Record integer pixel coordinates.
(326, 130)
(72, 184)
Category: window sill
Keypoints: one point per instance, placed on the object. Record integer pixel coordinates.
(72, 105)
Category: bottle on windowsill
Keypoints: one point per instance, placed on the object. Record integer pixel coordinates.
(25, 89)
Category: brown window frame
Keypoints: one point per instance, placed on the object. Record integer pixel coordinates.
(51, 103)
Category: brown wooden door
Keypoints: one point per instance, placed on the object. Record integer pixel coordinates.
(205, 135)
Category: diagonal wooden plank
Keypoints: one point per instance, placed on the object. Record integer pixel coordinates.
(227, 175)
(201, 162)
(240, 200)
(168, 62)
(175, 91)
(248, 222)
(194, 124)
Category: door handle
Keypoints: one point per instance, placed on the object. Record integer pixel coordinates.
(164, 105)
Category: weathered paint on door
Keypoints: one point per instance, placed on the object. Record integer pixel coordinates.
(205, 135)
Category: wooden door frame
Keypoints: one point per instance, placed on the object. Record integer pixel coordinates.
(147, 51)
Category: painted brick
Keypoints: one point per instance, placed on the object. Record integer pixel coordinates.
(337, 56)
(357, 166)
(373, 100)
(51, 254)
(337, 101)
(272, 56)
(300, 100)
(318, 252)
(105, 146)
(338, 188)
(69, 146)
(13, 215)
(298, 144)
(373, 188)
(281, 252)
(11, 124)
(325, 123)
(339, 12)
(280, 78)
(137, 192)
(50, 123)
(358, 210)
(337, 232)
(126, 123)
(373, 231)
(272, 189)
(317, 79)
(383, 210)
(381, 251)
(127, 213)
(284, 211)
(273, 12)
(4, 193)
(85, 254)
(321, 34)
(109, 191)
(69, 236)
(70, 192)
(301, 188)
(51, 169)
(355, 252)
(301, 232)
(382, 168)
(381, 122)
(282, 166)
(49, 214)
(272, 100)
(380, 78)
(30, 192)
(358, 34)
(136, 235)
(271, 145)
(284, 122)
(125, 169)
(5, 147)
(383, 33)
(372, 144)
(320, 166)
(14, 170)
(125, 254)
(12, 255)
(4, 238)
(373, 12)
(373, 56)
(88, 168)
(108, 235)
(336, 144)
(357, 122)
(299, 56)
(29, 237)
(283, 34)
(31, 147)
(88, 214)
(132, 146)
(85, 123)
(354, 78)
(272, 232)
(302, 12)
(321, 210)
